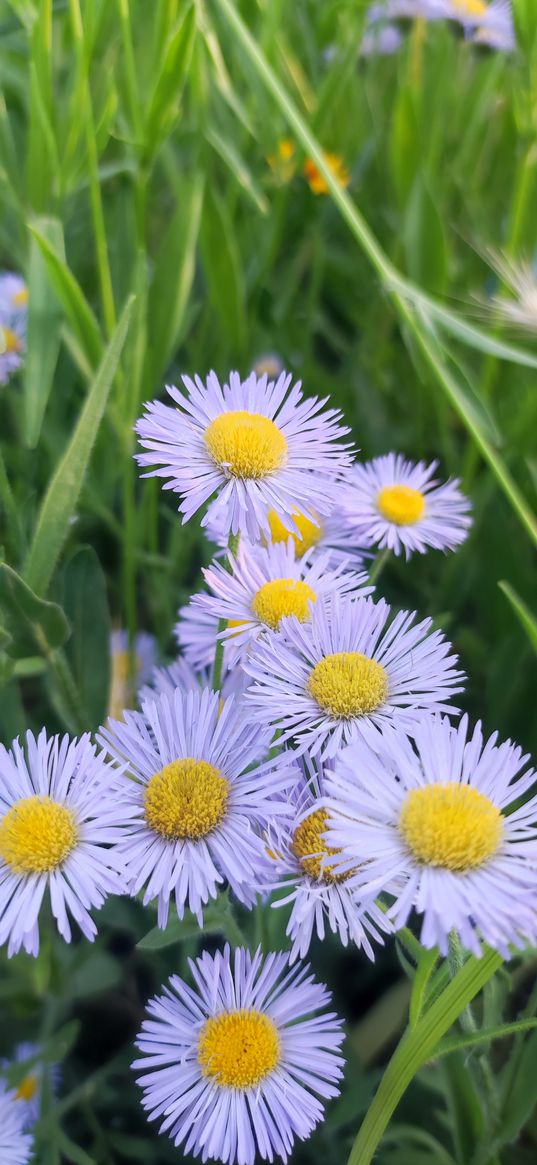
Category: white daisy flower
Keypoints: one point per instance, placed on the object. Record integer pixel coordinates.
(437, 827)
(397, 504)
(13, 318)
(308, 879)
(59, 817)
(197, 798)
(321, 682)
(256, 444)
(263, 585)
(235, 1066)
(15, 1144)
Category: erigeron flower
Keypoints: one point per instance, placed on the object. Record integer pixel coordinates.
(31, 1071)
(329, 535)
(380, 40)
(240, 1066)
(13, 318)
(265, 584)
(395, 503)
(180, 674)
(317, 182)
(304, 873)
(59, 818)
(124, 685)
(256, 444)
(15, 1144)
(196, 631)
(321, 682)
(196, 797)
(439, 825)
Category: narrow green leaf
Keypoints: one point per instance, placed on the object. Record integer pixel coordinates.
(33, 624)
(424, 239)
(426, 965)
(485, 1036)
(522, 611)
(405, 144)
(223, 269)
(173, 278)
(225, 148)
(88, 651)
(173, 71)
(44, 319)
(178, 930)
(75, 305)
(64, 489)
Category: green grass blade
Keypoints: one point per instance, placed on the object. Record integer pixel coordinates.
(75, 305)
(522, 611)
(44, 318)
(64, 489)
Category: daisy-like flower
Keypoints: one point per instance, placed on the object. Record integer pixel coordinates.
(303, 864)
(395, 503)
(317, 182)
(321, 682)
(436, 826)
(328, 535)
(497, 32)
(15, 1143)
(124, 685)
(380, 40)
(180, 674)
(270, 364)
(31, 1071)
(13, 315)
(256, 444)
(196, 632)
(196, 798)
(240, 1066)
(264, 585)
(58, 818)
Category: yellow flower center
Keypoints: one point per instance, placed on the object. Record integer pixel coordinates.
(310, 848)
(348, 684)
(309, 535)
(238, 1049)
(283, 596)
(20, 299)
(470, 7)
(27, 1088)
(452, 826)
(37, 835)
(186, 799)
(246, 444)
(11, 342)
(401, 504)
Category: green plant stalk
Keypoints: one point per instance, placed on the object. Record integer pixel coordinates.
(378, 566)
(416, 1047)
(402, 291)
(233, 546)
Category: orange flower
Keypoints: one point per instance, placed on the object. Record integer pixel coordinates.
(316, 180)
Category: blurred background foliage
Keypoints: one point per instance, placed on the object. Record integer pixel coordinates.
(139, 157)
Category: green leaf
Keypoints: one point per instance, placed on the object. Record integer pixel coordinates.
(44, 317)
(426, 964)
(170, 81)
(234, 160)
(484, 1036)
(522, 611)
(64, 489)
(98, 972)
(405, 144)
(88, 652)
(33, 624)
(424, 239)
(72, 1152)
(173, 278)
(223, 269)
(178, 930)
(75, 305)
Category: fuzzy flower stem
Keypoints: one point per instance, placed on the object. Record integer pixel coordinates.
(233, 546)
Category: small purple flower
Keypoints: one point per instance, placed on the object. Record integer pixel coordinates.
(321, 682)
(257, 444)
(435, 824)
(395, 503)
(240, 1066)
(15, 1144)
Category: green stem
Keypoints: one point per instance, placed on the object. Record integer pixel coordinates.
(233, 546)
(416, 1047)
(379, 564)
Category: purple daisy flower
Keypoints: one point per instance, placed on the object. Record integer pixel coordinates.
(180, 674)
(328, 535)
(398, 504)
(435, 825)
(266, 583)
(123, 685)
(321, 682)
(32, 1070)
(304, 867)
(196, 798)
(256, 444)
(13, 320)
(15, 1144)
(59, 815)
(240, 1065)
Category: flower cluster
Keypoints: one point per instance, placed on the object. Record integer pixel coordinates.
(303, 751)
(13, 313)
(488, 23)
